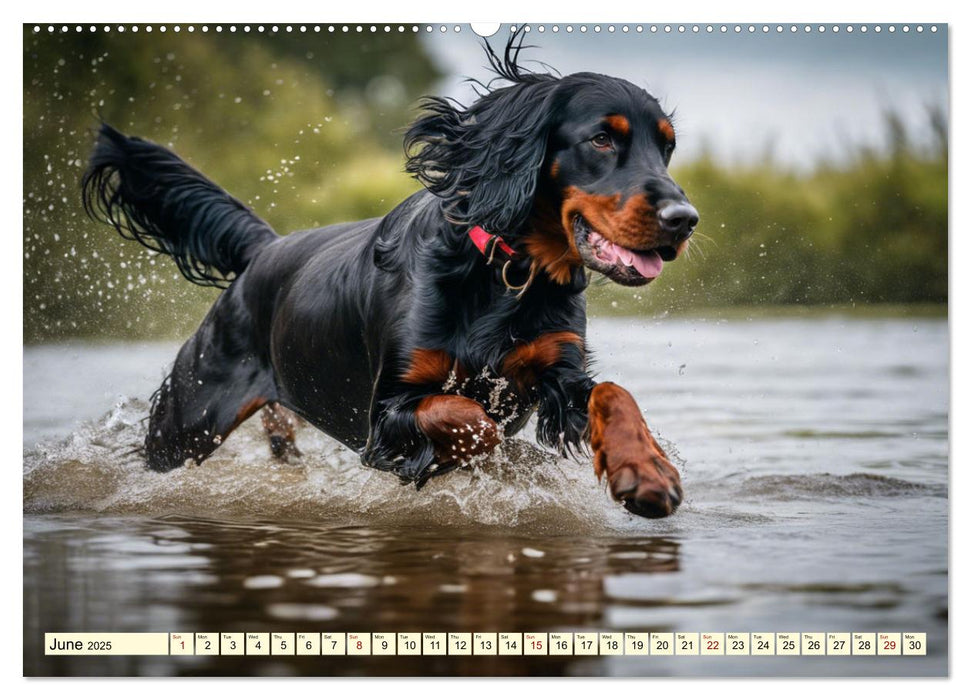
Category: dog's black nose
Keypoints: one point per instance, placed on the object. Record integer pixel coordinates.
(677, 219)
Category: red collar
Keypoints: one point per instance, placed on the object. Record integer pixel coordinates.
(487, 243)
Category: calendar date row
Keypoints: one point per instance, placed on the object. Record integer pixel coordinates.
(488, 644)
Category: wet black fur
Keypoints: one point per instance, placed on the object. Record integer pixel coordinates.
(152, 196)
(325, 321)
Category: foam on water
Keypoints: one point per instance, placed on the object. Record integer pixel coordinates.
(98, 469)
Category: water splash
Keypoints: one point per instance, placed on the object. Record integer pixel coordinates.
(99, 468)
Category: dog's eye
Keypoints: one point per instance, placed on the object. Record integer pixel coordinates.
(668, 149)
(601, 141)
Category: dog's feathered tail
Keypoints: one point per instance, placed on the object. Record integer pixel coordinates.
(152, 196)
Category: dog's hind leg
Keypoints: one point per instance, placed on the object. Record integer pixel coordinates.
(280, 425)
(217, 382)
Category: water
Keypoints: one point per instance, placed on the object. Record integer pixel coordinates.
(814, 455)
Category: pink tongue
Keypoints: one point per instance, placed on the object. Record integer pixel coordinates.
(647, 264)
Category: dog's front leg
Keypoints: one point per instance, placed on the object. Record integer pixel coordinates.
(457, 427)
(573, 409)
(639, 473)
(421, 437)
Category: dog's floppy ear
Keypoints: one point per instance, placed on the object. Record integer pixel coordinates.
(483, 161)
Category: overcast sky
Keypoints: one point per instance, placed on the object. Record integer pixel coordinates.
(807, 94)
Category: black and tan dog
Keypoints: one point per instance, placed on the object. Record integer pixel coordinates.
(421, 338)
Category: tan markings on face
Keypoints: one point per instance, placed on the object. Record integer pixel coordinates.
(632, 225)
(555, 169)
(431, 367)
(667, 131)
(527, 361)
(550, 245)
(618, 123)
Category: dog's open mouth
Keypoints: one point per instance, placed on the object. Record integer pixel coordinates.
(625, 266)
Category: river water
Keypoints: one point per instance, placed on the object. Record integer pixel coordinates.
(813, 452)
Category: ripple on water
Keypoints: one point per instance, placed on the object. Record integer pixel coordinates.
(345, 580)
(544, 596)
(263, 582)
(98, 469)
(301, 612)
(522, 487)
(857, 485)
(301, 573)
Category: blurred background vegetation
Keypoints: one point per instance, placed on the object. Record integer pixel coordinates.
(306, 128)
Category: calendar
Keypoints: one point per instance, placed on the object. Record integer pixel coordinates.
(371, 347)
(730, 644)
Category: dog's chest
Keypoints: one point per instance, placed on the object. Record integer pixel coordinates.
(505, 381)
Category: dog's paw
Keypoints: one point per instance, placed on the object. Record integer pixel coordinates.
(638, 472)
(647, 484)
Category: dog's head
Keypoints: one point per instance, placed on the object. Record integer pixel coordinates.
(569, 170)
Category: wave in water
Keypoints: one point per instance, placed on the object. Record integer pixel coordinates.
(97, 469)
